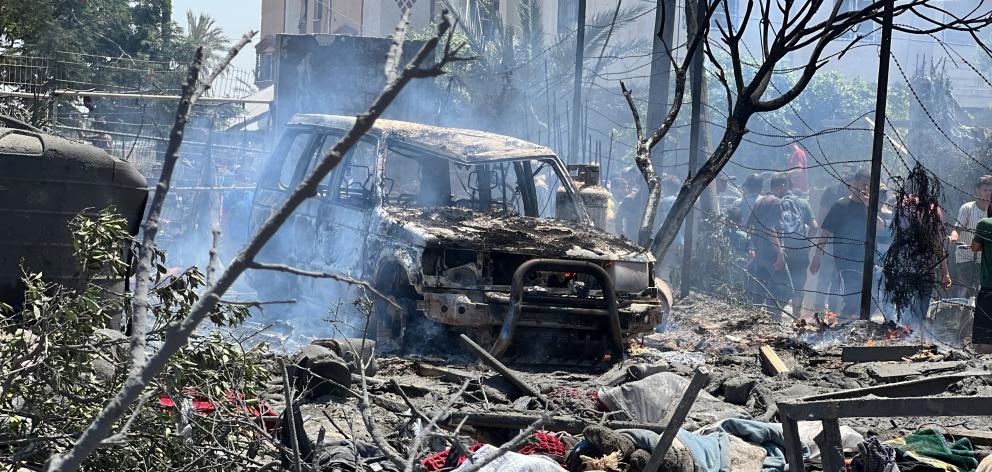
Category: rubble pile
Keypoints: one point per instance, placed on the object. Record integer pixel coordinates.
(725, 378)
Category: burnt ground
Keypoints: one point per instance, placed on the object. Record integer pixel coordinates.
(701, 331)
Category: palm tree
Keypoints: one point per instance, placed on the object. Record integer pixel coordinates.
(201, 30)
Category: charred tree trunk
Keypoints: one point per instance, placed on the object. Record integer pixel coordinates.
(694, 187)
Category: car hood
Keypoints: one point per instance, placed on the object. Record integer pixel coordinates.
(460, 228)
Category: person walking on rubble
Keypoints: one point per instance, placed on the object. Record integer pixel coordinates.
(981, 331)
(797, 221)
(770, 283)
(845, 228)
(967, 262)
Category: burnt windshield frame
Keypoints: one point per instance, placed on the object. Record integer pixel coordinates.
(279, 155)
(522, 166)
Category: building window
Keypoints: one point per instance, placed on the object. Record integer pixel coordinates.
(318, 15)
(568, 16)
(868, 30)
(263, 72)
(304, 6)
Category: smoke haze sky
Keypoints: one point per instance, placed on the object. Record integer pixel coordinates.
(235, 17)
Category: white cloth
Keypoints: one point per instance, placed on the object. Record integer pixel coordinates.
(809, 430)
(968, 217)
(512, 462)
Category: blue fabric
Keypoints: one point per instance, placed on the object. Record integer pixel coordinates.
(710, 453)
(767, 435)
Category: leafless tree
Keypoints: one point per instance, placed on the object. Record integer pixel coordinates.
(645, 143)
(788, 28)
(178, 333)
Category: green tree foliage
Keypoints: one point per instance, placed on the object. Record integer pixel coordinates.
(60, 363)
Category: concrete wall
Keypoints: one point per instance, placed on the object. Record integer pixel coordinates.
(342, 74)
(273, 21)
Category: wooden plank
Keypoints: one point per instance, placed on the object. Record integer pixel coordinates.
(909, 388)
(881, 353)
(978, 438)
(891, 372)
(676, 416)
(445, 373)
(771, 362)
(888, 408)
(513, 420)
(831, 446)
(793, 444)
(504, 370)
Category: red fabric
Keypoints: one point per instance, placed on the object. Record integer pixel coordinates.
(436, 461)
(600, 406)
(544, 444)
(204, 406)
(799, 172)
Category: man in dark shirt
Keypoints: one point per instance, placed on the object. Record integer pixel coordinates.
(845, 227)
(981, 331)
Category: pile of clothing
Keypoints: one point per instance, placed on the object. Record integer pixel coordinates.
(924, 451)
(541, 452)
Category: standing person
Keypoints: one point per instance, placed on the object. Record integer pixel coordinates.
(619, 190)
(631, 204)
(727, 194)
(828, 289)
(981, 331)
(845, 228)
(770, 279)
(799, 172)
(967, 262)
(797, 221)
(752, 190)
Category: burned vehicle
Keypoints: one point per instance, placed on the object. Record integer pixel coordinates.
(460, 227)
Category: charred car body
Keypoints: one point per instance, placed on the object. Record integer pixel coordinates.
(459, 226)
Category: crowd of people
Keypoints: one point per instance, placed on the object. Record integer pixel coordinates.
(791, 248)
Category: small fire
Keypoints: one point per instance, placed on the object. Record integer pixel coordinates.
(870, 342)
(607, 357)
(896, 333)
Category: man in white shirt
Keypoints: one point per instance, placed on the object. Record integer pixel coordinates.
(967, 262)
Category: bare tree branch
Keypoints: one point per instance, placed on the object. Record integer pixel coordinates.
(644, 144)
(325, 275)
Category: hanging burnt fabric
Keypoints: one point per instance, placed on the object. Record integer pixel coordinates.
(917, 247)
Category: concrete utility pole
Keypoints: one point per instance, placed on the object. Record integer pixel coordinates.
(580, 48)
(694, 23)
(661, 73)
(876, 160)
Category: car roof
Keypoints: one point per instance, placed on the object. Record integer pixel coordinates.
(465, 145)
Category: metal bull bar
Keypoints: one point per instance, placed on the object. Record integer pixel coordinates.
(517, 304)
